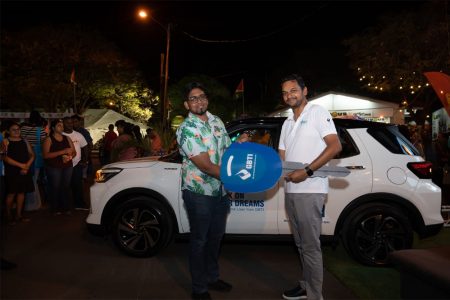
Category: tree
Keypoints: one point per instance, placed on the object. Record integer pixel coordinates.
(36, 69)
(392, 56)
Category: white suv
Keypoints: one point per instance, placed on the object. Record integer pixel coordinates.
(388, 195)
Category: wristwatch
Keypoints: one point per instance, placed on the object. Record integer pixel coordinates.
(309, 171)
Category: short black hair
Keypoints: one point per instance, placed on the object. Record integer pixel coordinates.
(77, 117)
(111, 126)
(294, 77)
(35, 118)
(67, 118)
(193, 85)
(120, 123)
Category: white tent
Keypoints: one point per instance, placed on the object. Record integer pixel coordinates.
(342, 105)
(96, 121)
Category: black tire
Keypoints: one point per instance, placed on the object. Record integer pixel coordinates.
(142, 227)
(374, 230)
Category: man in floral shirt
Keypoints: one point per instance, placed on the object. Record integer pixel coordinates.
(202, 139)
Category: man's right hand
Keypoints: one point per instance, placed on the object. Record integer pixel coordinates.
(296, 176)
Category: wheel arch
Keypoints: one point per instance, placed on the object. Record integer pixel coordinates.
(120, 198)
(411, 211)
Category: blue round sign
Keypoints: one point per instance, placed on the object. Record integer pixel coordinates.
(250, 168)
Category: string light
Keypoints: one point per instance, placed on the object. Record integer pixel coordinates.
(381, 84)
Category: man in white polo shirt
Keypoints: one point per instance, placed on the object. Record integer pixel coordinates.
(79, 162)
(308, 136)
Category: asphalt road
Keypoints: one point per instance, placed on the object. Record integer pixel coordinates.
(58, 259)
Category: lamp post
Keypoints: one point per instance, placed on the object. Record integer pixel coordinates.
(142, 13)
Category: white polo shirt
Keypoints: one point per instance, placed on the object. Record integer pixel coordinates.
(79, 142)
(303, 142)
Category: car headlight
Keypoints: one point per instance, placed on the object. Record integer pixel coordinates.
(103, 175)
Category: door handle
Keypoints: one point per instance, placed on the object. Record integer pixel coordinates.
(355, 167)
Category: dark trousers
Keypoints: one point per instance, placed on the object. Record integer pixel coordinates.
(59, 187)
(106, 157)
(207, 220)
(77, 186)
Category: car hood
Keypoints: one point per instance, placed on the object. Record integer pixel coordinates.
(142, 162)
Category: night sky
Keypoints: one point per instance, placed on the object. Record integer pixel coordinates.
(302, 37)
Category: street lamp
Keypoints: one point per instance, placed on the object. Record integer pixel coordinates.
(143, 14)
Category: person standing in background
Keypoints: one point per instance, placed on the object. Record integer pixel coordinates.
(108, 139)
(18, 159)
(4, 264)
(156, 143)
(124, 146)
(78, 126)
(35, 134)
(58, 151)
(79, 161)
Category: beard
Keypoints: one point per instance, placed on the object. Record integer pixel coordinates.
(202, 111)
(296, 103)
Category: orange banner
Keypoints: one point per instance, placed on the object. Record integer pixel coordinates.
(441, 85)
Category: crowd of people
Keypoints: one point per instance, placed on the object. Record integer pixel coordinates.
(44, 164)
(129, 143)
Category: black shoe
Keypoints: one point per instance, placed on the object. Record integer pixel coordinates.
(220, 286)
(203, 296)
(295, 294)
(7, 265)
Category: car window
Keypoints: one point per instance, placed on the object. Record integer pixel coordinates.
(391, 138)
(263, 136)
(349, 147)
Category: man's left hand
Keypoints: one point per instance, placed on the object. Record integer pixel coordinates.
(243, 138)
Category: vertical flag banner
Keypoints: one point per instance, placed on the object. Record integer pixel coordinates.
(441, 85)
(240, 87)
(72, 77)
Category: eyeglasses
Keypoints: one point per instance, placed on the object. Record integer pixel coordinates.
(197, 99)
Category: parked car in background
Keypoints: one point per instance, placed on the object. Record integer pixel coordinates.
(387, 197)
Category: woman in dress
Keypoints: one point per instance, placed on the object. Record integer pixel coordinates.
(58, 151)
(18, 160)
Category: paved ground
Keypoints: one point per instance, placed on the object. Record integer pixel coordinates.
(58, 259)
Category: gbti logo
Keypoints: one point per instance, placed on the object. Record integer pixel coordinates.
(244, 174)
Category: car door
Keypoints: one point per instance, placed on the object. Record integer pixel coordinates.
(255, 213)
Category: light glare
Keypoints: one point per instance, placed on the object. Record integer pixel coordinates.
(142, 14)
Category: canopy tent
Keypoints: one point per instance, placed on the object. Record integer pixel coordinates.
(351, 106)
(96, 121)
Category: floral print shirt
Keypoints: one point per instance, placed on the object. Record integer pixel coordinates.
(195, 136)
